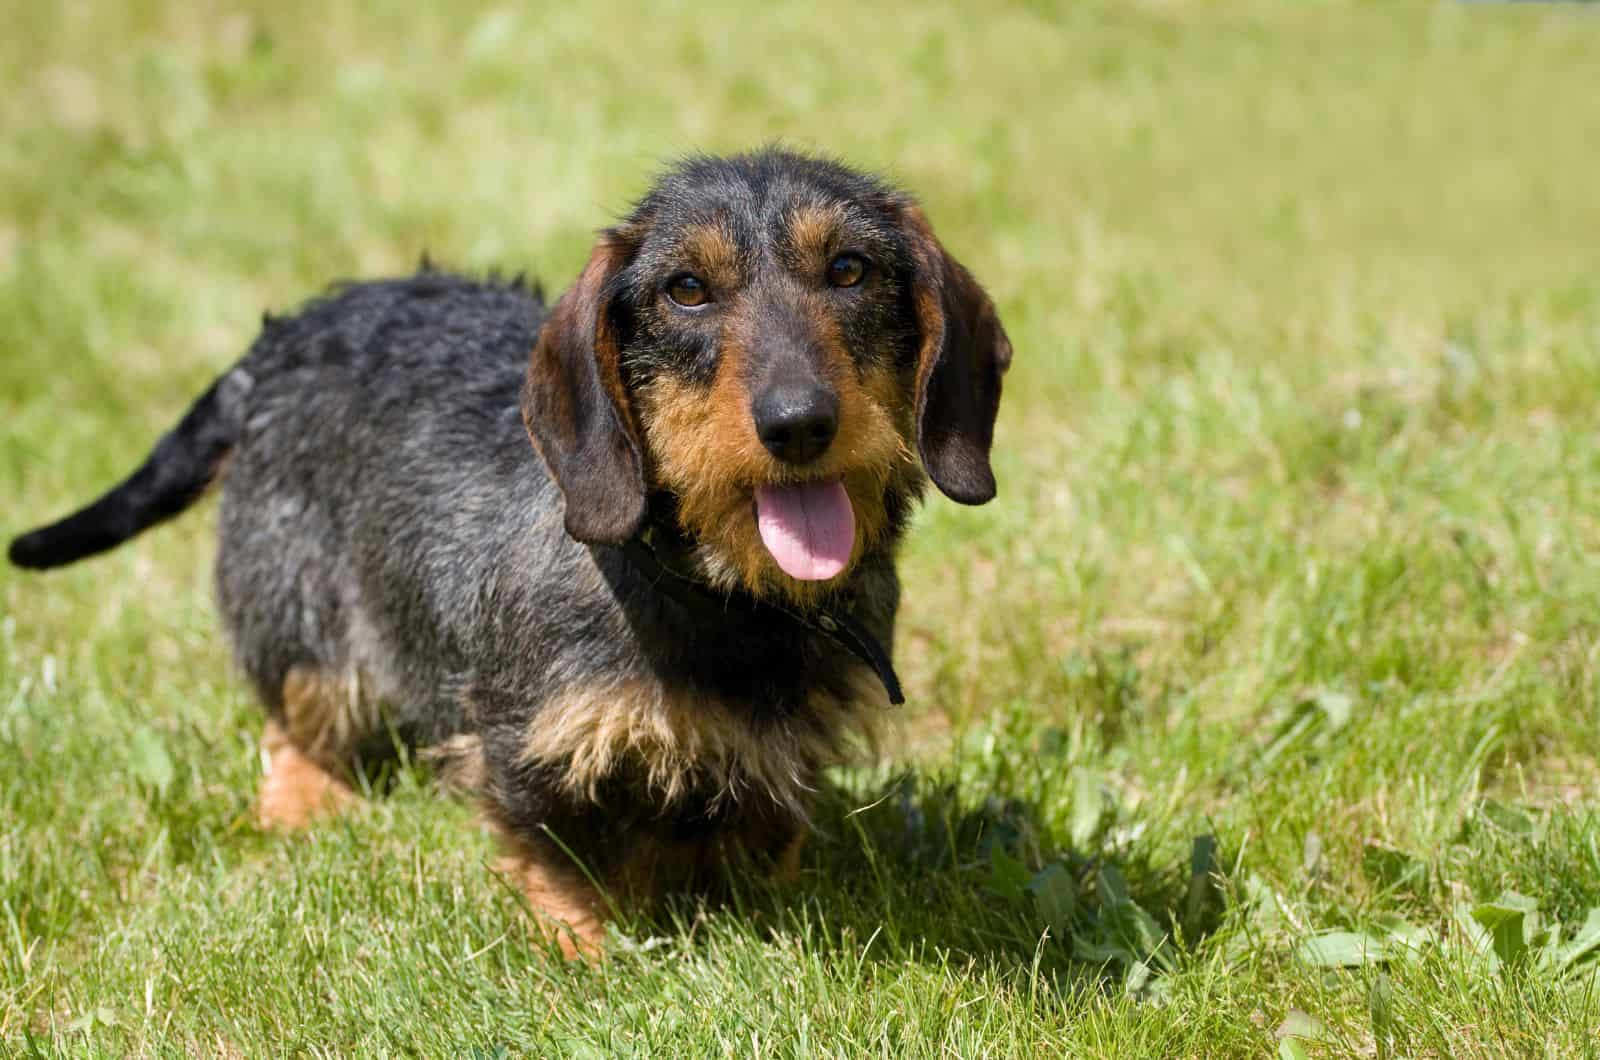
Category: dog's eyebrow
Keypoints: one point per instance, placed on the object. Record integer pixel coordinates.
(812, 229)
(711, 246)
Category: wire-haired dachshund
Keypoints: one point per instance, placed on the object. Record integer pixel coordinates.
(640, 638)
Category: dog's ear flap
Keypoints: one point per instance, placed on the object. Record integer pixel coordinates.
(577, 411)
(963, 353)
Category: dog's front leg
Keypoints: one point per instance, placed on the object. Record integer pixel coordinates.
(566, 905)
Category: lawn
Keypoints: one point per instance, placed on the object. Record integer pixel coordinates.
(1260, 714)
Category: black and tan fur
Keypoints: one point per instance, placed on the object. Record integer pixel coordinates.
(397, 560)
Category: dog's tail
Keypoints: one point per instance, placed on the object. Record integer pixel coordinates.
(184, 462)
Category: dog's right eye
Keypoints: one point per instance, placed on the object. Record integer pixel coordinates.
(688, 291)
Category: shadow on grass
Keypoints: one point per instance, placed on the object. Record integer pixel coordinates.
(930, 873)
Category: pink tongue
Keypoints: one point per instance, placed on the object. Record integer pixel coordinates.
(809, 529)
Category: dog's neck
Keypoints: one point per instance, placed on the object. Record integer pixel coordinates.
(654, 552)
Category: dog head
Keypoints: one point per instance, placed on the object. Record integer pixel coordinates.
(782, 346)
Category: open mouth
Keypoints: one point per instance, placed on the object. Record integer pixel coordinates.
(809, 528)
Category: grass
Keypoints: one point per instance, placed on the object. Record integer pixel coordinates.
(1287, 622)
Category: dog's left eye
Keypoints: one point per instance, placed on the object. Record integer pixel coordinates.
(688, 291)
(846, 270)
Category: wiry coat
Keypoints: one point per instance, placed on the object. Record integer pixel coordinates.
(399, 565)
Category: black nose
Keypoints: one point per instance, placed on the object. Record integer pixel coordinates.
(796, 422)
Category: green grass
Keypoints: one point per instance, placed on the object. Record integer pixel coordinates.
(1297, 548)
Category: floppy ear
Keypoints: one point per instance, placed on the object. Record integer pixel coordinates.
(577, 412)
(963, 353)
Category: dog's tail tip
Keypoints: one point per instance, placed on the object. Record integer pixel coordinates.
(183, 464)
(97, 528)
(30, 551)
(59, 544)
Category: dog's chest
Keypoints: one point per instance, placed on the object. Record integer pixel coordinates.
(676, 744)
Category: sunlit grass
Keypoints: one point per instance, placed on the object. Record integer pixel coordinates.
(1296, 551)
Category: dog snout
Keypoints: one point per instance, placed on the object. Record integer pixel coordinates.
(796, 421)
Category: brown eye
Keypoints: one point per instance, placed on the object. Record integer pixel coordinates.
(846, 270)
(688, 291)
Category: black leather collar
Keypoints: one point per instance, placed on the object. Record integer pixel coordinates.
(836, 625)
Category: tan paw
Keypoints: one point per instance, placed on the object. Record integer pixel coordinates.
(295, 790)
